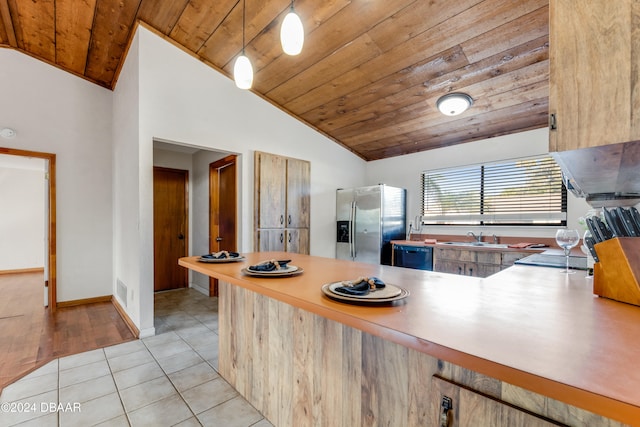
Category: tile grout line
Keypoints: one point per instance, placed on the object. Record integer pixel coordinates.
(172, 384)
(124, 408)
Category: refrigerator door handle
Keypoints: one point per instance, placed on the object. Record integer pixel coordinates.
(352, 239)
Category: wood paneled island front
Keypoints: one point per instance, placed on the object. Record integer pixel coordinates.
(527, 346)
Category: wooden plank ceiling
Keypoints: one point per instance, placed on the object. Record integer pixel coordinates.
(370, 71)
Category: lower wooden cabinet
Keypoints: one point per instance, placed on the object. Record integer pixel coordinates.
(509, 258)
(476, 263)
(471, 408)
(466, 262)
(297, 240)
(283, 239)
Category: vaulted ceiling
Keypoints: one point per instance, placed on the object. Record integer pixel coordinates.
(370, 71)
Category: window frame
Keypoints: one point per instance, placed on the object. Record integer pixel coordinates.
(526, 219)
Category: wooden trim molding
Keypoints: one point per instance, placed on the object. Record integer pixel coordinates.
(132, 326)
(23, 270)
(105, 298)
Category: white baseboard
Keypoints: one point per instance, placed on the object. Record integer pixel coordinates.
(148, 332)
(199, 288)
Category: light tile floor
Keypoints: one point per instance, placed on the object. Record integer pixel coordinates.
(169, 379)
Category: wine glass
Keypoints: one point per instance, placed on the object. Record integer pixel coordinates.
(567, 239)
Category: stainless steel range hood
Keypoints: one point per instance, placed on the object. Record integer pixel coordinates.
(605, 176)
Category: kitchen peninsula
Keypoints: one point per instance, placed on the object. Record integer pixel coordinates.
(526, 338)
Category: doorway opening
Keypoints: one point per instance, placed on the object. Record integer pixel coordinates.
(213, 207)
(49, 277)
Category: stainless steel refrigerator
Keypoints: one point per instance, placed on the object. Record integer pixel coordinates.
(368, 218)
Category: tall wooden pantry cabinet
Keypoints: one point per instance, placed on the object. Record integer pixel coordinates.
(281, 203)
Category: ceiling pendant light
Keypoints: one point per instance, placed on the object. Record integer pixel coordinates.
(453, 104)
(243, 72)
(242, 69)
(292, 33)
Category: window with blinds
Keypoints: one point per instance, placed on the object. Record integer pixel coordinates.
(527, 191)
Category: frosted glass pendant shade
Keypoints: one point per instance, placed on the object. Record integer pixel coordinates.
(243, 72)
(292, 34)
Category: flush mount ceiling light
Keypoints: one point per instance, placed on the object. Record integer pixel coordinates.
(7, 133)
(242, 69)
(453, 104)
(292, 33)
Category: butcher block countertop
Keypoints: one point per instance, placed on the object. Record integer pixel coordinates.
(532, 327)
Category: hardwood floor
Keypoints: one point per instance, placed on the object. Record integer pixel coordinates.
(30, 335)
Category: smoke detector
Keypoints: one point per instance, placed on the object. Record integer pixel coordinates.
(7, 133)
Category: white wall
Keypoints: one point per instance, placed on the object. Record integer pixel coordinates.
(56, 112)
(165, 94)
(185, 101)
(22, 212)
(404, 171)
(131, 259)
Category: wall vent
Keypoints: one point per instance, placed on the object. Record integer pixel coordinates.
(121, 291)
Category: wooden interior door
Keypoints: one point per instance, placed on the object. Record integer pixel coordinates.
(222, 209)
(170, 227)
(222, 200)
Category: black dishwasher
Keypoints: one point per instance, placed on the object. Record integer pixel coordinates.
(419, 257)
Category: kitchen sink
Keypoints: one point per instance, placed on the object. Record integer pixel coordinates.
(476, 244)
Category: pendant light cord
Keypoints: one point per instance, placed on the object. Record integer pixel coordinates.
(244, 9)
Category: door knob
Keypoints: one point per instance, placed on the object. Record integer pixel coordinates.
(181, 236)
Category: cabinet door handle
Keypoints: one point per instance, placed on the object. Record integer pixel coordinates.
(289, 219)
(459, 270)
(446, 416)
(289, 238)
(553, 125)
(281, 219)
(471, 272)
(281, 237)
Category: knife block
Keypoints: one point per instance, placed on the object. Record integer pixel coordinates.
(617, 274)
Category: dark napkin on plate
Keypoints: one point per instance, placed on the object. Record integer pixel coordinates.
(270, 265)
(221, 255)
(361, 286)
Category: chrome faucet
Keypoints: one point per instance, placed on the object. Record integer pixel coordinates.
(477, 238)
